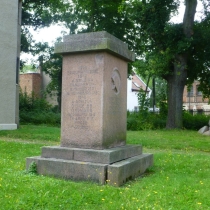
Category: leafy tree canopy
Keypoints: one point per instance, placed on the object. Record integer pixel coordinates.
(99, 15)
(38, 14)
(159, 40)
(179, 53)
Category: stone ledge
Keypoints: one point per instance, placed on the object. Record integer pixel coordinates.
(106, 156)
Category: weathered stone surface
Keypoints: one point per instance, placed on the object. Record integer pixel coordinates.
(94, 41)
(115, 174)
(70, 169)
(203, 129)
(9, 63)
(94, 106)
(93, 36)
(120, 172)
(93, 110)
(58, 152)
(106, 156)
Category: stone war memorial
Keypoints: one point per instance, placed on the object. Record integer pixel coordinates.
(94, 111)
(10, 22)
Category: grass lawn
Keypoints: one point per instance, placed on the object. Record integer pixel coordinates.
(179, 179)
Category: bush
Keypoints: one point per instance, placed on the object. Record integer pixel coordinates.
(195, 122)
(150, 121)
(36, 110)
(43, 117)
(144, 120)
(32, 103)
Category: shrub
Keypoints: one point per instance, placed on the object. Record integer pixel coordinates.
(150, 121)
(43, 117)
(32, 103)
(35, 110)
(144, 120)
(195, 122)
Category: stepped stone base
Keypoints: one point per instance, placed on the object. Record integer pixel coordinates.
(113, 166)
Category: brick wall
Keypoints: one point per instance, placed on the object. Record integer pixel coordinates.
(31, 82)
(194, 99)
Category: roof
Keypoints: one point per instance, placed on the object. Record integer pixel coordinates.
(138, 83)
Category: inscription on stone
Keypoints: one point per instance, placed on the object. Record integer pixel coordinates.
(82, 89)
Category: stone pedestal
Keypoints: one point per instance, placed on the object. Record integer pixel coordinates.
(93, 113)
(93, 123)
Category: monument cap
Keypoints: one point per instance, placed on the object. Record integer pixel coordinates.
(94, 41)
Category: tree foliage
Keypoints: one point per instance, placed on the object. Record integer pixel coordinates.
(38, 14)
(51, 64)
(176, 52)
(99, 15)
(78, 16)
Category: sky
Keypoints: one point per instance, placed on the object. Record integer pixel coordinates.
(44, 35)
(178, 18)
(50, 34)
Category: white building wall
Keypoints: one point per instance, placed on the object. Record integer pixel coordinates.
(132, 99)
(9, 63)
(132, 96)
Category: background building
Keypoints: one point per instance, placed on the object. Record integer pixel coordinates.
(134, 84)
(36, 83)
(193, 100)
(10, 23)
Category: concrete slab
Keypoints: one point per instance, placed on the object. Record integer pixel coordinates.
(120, 172)
(106, 156)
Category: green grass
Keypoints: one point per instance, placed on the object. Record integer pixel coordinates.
(179, 179)
(167, 139)
(33, 133)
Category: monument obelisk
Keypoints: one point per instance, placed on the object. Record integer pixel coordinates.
(93, 122)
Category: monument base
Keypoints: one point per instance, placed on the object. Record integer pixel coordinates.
(8, 126)
(113, 166)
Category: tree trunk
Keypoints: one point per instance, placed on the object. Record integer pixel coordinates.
(176, 83)
(178, 77)
(153, 95)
